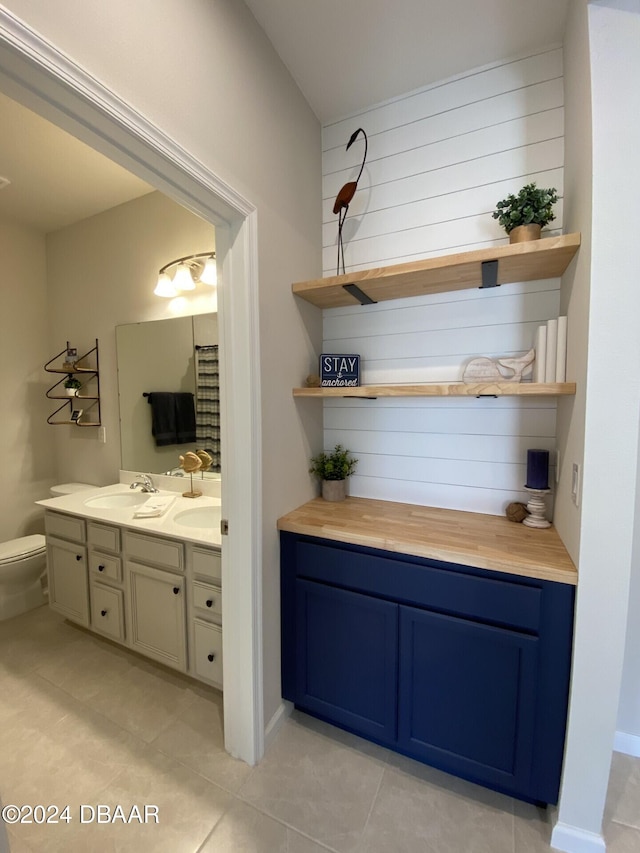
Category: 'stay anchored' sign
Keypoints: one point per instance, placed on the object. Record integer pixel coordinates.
(339, 371)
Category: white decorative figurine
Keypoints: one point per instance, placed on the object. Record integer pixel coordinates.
(485, 369)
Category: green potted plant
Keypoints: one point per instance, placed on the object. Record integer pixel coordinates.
(72, 385)
(333, 469)
(524, 215)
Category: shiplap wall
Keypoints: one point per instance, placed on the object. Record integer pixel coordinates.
(439, 159)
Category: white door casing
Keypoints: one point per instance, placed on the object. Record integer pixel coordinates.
(35, 73)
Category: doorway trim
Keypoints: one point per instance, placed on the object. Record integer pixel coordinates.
(39, 76)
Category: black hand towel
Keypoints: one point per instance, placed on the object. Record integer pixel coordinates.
(185, 418)
(163, 417)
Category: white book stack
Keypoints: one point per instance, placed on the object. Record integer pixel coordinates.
(551, 352)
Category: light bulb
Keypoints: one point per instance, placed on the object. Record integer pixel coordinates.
(209, 274)
(183, 279)
(165, 287)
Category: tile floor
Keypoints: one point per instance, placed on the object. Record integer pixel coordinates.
(84, 722)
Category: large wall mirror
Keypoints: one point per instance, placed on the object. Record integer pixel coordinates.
(175, 356)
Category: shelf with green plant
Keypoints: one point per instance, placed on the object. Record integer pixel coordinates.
(70, 387)
(525, 261)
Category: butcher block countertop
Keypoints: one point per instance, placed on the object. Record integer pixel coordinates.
(469, 538)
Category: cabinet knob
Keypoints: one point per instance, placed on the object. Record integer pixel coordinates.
(209, 602)
(78, 556)
(176, 590)
(211, 658)
(101, 568)
(103, 612)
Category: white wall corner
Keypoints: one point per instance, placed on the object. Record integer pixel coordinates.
(627, 743)
(571, 839)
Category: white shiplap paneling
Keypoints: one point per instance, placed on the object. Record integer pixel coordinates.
(438, 161)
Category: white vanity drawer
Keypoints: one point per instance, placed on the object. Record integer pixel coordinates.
(207, 655)
(105, 565)
(206, 562)
(103, 536)
(65, 526)
(107, 611)
(157, 552)
(207, 598)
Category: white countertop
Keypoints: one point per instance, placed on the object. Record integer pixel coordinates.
(165, 525)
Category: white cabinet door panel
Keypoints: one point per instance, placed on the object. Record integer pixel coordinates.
(107, 611)
(156, 616)
(68, 580)
(207, 653)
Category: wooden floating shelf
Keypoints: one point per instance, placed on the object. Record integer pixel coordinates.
(537, 259)
(70, 397)
(453, 389)
(69, 372)
(74, 423)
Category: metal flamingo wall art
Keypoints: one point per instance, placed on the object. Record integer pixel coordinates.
(341, 204)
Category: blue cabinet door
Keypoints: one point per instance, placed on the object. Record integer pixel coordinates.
(346, 659)
(467, 698)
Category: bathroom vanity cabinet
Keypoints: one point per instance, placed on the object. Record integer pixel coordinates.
(67, 567)
(157, 595)
(464, 668)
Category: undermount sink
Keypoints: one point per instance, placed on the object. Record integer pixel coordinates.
(118, 501)
(199, 516)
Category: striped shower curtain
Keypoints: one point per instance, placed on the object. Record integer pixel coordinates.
(208, 403)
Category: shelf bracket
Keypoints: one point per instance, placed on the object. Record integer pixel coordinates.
(360, 295)
(489, 274)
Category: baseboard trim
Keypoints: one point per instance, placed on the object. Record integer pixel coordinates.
(571, 839)
(627, 743)
(273, 727)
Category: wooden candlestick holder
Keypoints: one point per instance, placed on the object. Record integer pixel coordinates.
(537, 508)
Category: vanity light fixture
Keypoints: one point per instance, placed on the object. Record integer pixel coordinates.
(187, 272)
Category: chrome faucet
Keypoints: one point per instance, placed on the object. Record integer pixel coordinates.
(146, 482)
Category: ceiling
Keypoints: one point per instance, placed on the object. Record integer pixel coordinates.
(55, 180)
(345, 55)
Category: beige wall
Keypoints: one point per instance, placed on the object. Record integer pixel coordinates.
(27, 464)
(213, 83)
(576, 283)
(101, 273)
(601, 68)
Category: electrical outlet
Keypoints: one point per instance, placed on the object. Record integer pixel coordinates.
(102, 434)
(575, 483)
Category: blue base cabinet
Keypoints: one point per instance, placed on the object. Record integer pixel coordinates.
(464, 669)
(347, 665)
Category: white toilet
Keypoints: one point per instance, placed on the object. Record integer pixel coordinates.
(22, 563)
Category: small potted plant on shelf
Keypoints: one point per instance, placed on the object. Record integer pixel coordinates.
(333, 469)
(524, 215)
(72, 386)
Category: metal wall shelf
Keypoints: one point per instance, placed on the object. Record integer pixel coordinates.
(70, 400)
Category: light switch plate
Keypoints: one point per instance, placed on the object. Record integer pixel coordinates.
(575, 483)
